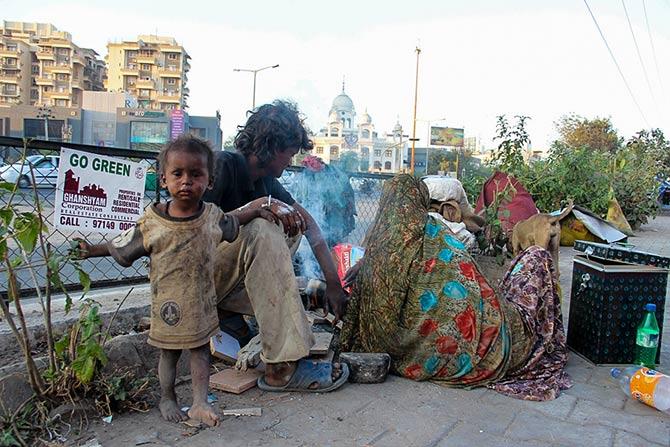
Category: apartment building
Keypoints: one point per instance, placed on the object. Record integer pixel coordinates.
(152, 68)
(42, 66)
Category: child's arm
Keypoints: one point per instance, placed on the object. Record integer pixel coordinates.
(86, 250)
(252, 210)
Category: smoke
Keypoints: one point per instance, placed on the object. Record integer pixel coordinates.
(328, 196)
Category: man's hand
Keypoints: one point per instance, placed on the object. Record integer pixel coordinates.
(292, 220)
(335, 301)
(351, 274)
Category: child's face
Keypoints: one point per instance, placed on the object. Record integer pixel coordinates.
(186, 176)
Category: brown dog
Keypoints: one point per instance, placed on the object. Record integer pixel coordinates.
(541, 229)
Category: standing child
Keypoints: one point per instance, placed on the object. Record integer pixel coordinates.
(180, 237)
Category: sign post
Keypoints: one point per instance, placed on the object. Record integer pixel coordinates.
(96, 193)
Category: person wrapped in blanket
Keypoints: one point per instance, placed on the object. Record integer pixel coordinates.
(419, 296)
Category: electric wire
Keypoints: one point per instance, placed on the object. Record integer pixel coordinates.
(653, 49)
(639, 109)
(639, 56)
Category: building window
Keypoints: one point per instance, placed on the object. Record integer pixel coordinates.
(172, 56)
(365, 151)
(319, 150)
(378, 152)
(171, 81)
(388, 153)
(11, 47)
(62, 76)
(378, 165)
(145, 67)
(334, 132)
(387, 166)
(35, 69)
(34, 94)
(61, 102)
(365, 133)
(334, 151)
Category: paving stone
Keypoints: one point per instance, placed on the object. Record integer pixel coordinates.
(558, 408)
(654, 428)
(606, 397)
(625, 439)
(634, 407)
(463, 435)
(533, 427)
(580, 370)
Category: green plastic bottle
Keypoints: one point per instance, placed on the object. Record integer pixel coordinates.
(646, 340)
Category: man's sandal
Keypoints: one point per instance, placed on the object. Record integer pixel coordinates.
(307, 374)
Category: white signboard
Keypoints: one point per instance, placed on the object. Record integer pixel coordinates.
(96, 193)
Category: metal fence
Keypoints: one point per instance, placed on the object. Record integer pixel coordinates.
(43, 156)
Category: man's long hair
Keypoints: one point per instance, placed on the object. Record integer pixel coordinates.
(270, 129)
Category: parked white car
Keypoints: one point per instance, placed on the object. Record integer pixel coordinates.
(45, 170)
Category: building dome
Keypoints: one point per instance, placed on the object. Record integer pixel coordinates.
(397, 129)
(342, 102)
(366, 118)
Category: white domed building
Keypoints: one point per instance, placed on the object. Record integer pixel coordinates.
(343, 133)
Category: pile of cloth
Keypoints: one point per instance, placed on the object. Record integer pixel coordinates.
(449, 203)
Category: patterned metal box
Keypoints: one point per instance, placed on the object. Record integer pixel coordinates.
(606, 305)
(622, 252)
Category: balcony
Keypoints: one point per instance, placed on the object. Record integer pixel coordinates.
(147, 84)
(130, 70)
(169, 97)
(10, 78)
(4, 52)
(10, 93)
(9, 101)
(58, 94)
(7, 66)
(44, 80)
(79, 59)
(169, 72)
(45, 55)
(60, 69)
(146, 59)
(76, 83)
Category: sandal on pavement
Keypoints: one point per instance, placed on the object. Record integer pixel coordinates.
(308, 373)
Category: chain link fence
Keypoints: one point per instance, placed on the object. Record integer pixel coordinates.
(104, 272)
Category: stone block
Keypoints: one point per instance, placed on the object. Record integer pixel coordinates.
(529, 426)
(366, 367)
(14, 390)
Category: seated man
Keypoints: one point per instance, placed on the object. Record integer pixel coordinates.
(254, 274)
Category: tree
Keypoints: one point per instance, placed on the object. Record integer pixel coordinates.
(597, 134)
(508, 157)
(653, 144)
(229, 143)
(441, 160)
(348, 161)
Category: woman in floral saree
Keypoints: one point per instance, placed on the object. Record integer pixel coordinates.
(419, 296)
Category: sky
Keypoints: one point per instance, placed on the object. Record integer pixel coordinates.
(479, 59)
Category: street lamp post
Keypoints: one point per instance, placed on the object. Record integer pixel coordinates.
(44, 113)
(255, 71)
(416, 95)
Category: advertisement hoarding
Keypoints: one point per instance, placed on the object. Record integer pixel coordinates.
(446, 136)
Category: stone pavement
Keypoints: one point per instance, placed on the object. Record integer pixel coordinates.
(401, 412)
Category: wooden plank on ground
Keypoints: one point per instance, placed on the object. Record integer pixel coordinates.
(255, 411)
(322, 343)
(234, 381)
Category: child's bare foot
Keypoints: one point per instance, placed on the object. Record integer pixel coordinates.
(204, 413)
(170, 410)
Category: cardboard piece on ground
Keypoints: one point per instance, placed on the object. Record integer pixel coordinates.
(322, 343)
(224, 346)
(255, 411)
(234, 381)
(315, 317)
(331, 318)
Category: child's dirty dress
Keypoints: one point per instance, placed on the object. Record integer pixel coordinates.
(183, 298)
